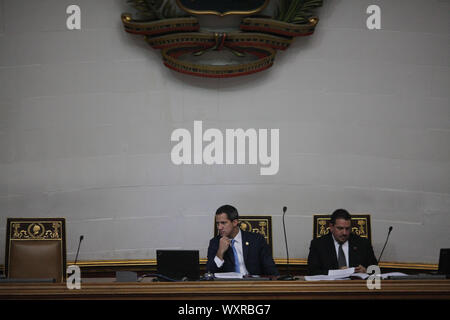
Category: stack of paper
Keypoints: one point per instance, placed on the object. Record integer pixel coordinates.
(393, 274)
(339, 274)
(342, 274)
(228, 275)
(323, 277)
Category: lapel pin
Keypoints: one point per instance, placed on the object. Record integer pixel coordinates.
(246, 243)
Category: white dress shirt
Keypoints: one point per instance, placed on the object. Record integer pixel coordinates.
(344, 248)
(238, 246)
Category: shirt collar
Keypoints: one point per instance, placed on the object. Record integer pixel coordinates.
(345, 244)
(238, 237)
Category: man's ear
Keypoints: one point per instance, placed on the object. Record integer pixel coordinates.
(235, 222)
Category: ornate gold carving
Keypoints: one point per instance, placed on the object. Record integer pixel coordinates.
(246, 226)
(221, 14)
(258, 37)
(257, 225)
(323, 229)
(263, 225)
(361, 230)
(35, 230)
(360, 225)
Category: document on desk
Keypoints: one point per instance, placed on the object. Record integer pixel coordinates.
(393, 274)
(228, 275)
(340, 274)
(344, 275)
(364, 276)
(322, 277)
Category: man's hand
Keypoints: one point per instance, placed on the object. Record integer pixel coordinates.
(224, 244)
(360, 269)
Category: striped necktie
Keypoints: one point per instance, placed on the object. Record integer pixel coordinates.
(341, 258)
(236, 260)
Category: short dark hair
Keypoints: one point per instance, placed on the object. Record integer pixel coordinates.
(230, 211)
(340, 214)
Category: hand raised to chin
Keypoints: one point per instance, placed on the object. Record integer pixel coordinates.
(224, 244)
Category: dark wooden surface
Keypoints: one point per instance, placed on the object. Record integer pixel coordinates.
(106, 288)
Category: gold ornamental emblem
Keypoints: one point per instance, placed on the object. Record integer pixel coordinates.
(36, 230)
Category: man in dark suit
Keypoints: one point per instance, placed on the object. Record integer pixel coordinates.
(234, 250)
(340, 248)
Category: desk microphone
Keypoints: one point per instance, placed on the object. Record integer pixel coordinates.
(387, 238)
(79, 243)
(288, 276)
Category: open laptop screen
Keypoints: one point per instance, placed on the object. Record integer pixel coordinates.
(178, 264)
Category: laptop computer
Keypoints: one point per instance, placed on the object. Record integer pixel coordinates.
(443, 269)
(178, 264)
(444, 261)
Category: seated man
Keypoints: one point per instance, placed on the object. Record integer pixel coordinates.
(340, 248)
(234, 250)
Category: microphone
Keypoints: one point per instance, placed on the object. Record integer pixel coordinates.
(387, 238)
(78, 250)
(288, 276)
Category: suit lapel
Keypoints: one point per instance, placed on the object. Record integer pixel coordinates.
(352, 252)
(332, 252)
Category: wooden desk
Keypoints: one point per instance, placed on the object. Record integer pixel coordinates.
(231, 290)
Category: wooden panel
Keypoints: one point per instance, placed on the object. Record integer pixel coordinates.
(236, 290)
(108, 268)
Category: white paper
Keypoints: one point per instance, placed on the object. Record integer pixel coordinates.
(364, 276)
(341, 273)
(393, 274)
(322, 278)
(228, 275)
(360, 275)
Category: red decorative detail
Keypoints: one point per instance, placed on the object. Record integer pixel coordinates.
(231, 75)
(276, 31)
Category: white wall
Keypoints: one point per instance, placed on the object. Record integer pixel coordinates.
(364, 119)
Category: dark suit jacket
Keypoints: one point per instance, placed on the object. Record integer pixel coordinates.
(322, 254)
(257, 257)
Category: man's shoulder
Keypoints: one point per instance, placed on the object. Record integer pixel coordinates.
(252, 236)
(215, 239)
(322, 240)
(357, 239)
